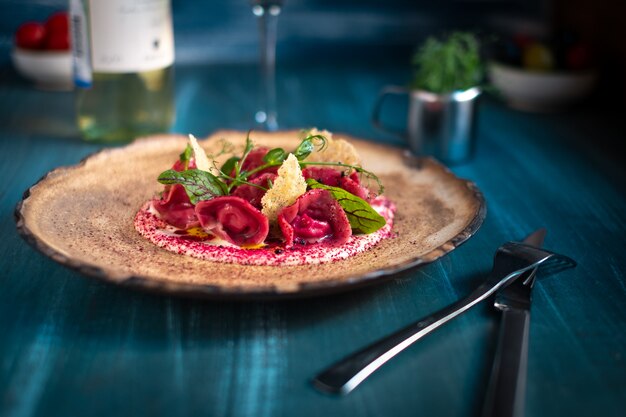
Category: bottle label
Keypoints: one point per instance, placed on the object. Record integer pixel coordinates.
(131, 35)
(120, 36)
(80, 44)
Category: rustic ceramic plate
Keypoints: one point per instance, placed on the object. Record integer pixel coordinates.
(82, 217)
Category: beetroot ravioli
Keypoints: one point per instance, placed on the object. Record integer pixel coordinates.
(269, 206)
(315, 217)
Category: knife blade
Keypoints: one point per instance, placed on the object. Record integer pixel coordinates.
(507, 385)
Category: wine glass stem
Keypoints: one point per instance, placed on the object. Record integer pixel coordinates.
(268, 23)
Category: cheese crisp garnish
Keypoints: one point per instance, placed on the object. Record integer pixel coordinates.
(287, 187)
(336, 150)
(202, 161)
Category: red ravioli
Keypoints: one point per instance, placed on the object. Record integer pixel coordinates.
(335, 178)
(180, 166)
(253, 194)
(315, 217)
(323, 175)
(175, 207)
(233, 219)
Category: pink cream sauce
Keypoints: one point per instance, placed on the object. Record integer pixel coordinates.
(200, 245)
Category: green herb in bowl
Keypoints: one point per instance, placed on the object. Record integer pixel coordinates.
(448, 64)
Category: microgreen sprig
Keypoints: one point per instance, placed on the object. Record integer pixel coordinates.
(185, 156)
(231, 173)
(275, 157)
(226, 147)
(235, 163)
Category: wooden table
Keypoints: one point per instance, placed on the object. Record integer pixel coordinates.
(73, 346)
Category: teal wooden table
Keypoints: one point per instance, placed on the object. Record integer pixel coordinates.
(73, 346)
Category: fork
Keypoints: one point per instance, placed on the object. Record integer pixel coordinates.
(510, 261)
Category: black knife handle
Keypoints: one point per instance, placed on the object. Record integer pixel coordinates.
(507, 386)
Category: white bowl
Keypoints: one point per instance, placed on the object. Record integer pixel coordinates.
(540, 91)
(49, 70)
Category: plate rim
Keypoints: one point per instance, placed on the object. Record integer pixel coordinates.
(216, 292)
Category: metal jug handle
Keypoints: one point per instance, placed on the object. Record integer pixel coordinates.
(384, 93)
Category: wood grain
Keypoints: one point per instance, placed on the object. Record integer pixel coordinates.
(74, 347)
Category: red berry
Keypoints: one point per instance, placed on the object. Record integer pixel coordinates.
(30, 35)
(57, 41)
(57, 23)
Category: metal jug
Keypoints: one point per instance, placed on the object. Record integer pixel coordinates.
(439, 125)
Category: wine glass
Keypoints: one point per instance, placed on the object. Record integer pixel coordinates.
(267, 12)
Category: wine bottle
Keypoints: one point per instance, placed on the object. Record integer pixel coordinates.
(123, 56)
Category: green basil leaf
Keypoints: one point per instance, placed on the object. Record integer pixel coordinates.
(199, 185)
(362, 217)
(274, 156)
(229, 165)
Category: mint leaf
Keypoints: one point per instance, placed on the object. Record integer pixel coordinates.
(199, 185)
(362, 217)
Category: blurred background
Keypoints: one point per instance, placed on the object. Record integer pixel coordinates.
(225, 30)
(315, 33)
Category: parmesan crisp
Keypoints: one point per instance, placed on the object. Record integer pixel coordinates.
(202, 161)
(336, 150)
(288, 186)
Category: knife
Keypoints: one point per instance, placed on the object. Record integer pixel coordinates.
(510, 262)
(507, 385)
